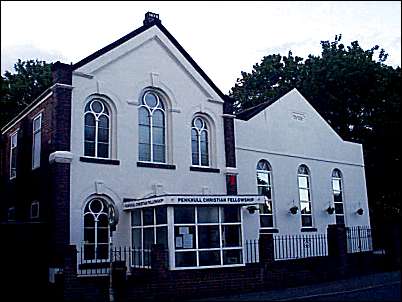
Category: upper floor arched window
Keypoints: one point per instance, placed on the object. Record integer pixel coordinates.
(152, 128)
(264, 186)
(337, 190)
(199, 142)
(303, 178)
(97, 129)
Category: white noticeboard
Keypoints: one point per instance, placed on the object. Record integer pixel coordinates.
(188, 241)
(179, 241)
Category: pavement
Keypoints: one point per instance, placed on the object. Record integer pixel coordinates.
(385, 286)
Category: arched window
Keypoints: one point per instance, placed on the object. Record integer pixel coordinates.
(303, 177)
(97, 129)
(264, 185)
(96, 230)
(199, 142)
(338, 199)
(152, 136)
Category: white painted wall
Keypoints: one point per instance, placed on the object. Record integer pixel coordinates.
(276, 136)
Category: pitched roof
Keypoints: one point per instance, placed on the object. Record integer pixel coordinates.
(140, 30)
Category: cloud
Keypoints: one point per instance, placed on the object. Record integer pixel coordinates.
(11, 54)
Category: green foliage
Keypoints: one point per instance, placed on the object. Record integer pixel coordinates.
(358, 95)
(20, 88)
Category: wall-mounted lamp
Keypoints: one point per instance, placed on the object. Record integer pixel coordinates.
(330, 210)
(293, 210)
(360, 211)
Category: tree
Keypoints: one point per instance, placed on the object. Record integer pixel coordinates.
(356, 94)
(19, 89)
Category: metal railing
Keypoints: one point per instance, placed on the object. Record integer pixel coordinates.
(251, 251)
(359, 239)
(300, 246)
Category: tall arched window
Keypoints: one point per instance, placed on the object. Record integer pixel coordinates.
(303, 177)
(152, 136)
(338, 199)
(96, 230)
(199, 142)
(97, 129)
(264, 185)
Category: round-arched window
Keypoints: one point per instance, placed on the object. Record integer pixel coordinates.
(199, 142)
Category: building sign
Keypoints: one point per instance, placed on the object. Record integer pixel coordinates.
(192, 199)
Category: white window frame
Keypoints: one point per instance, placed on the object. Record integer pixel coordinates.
(270, 185)
(35, 131)
(205, 127)
(13, 149)
(340, 179)
(221, 248)
(35, 203)
(160, 105)
(308, 176)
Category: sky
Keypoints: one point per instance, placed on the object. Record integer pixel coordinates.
(224, 38)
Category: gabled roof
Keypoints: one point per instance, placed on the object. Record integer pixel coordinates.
(140, 30)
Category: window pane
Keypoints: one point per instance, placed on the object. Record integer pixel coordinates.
(231, 235)
(89, 120)
(136, 217)
(338, 208)
(184, 237)
(136, 239)
(340, 219)
(161, 217)
(210, 258)
(208, 214)
(103, 150)
(143, 116)
(89, 133)
(89, 235)
(231, 214)
(159, 153)
(306, 220)
(305, 207)
(89, 251)
(145, 134)
(198, 123)
(158, 118)
(103, 121)
(148, 237)
(89, 148)
(304, 195)
(145, 152)
(103, 235)
(208, 236)
(303, 182)
(148, 216)
(89, 220)
(36, 151)
(336, 184)
(103, 221)
(337, 197)
(102, 251)
(36, 124)
(150, 99)
(195, 159)
(103, 135)
(96, 106)
(266, 221)
(158, 135)
(161, 236)
(184, 214)
(204, 155)
(232, 257)
(262, 178)
(266, 191)
(185, 259)
(266, 208)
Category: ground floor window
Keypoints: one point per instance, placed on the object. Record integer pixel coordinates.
(207, 236)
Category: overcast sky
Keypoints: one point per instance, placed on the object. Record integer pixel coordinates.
(224, 38)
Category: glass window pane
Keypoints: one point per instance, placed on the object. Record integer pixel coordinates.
(148, 216)
(161, 236)
(303, 181)
(144, 152)
(184, 214)
(337, 197)
(161, 217)
(89, 119)
(204, 155)
(266, 221)
(96, 106)
(158, 118)
(103, 135)
(143, 116)
(338, 208)
(340, 219)
(266, 191)
(336, 184)
(305, 207)
(103, 150)
(89, 235)
(144, 134)
(262, 178)
(266, 208)
(159, 153)
(89, 133)
(136, 217)
(89, 148)
(102, 251)
(185, 259)
(89, 251)
(103, 221)
(158, 135)
(208, 214)
(306, 220)
(231, 214)
(103, 235)
(148, 237)
(231, 235)
(36, 124)
(103, 121)
(208, 236)
(210, 258)
(232, 257)
(184, 237)
(36, 151)
(198, 123)
(150, 99)
(136, 239)
(304, 195)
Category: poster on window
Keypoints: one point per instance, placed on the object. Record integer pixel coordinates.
(188, 241)
(179, 242)
(183, 230)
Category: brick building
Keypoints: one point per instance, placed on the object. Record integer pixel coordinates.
(136, 138)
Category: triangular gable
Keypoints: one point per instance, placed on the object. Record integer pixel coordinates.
(137, 32)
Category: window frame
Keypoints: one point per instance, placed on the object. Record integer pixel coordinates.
(161, 106)
(340, 179)
(309, 194)
(13, 149)
(33, 203)
(269, 185)
(96, 117)
(35, 131)
(205, 128)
